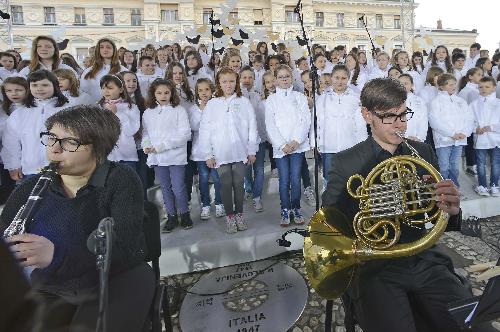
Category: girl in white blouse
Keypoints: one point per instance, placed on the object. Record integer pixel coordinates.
(418, 124)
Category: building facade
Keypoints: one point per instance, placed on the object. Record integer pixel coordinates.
(132, 23)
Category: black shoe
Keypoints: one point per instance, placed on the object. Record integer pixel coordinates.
(172, 222)
(186, 221)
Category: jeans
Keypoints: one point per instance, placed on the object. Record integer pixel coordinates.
(173, 188)
(254, 178)
(190, 171)
(289, 173)
(449, 161)
(481, 155)
(326, 159)
(204, 175)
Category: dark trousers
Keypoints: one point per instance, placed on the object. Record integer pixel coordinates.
(7, 185)
(470, 154)
(191, 170)
(408, 295)
(130, 297)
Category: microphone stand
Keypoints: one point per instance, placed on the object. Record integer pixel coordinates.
(315, 83)
(103, 252)
(362, 19)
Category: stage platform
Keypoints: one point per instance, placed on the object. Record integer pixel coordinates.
(207, 246)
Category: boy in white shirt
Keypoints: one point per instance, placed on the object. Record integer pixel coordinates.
(258, 69)
(146, 73)
(382, 68)
(486, 110)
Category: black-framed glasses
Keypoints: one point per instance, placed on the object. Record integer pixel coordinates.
(68, 144)
(390, 118)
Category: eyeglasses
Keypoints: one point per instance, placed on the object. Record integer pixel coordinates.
(68, 144)
(390, 118)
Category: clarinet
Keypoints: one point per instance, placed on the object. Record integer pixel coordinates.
(25, 213)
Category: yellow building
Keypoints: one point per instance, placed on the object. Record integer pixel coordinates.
(132, 23)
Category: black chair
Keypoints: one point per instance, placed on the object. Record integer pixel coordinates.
(151, 228)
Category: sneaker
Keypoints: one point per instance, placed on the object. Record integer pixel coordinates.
(471, 170)
(481, 191)
(257, 205)
(240, 222)
(231, 227)
(172, 222)
(186, 221)
(274, 173)
(285, 218)
(205, 213)
(309, 195)
(495, 192)
(219, 211)
(297, 217)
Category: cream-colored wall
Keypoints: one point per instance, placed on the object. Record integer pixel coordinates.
(190, 14)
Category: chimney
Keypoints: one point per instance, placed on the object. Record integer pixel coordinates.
(440, 24)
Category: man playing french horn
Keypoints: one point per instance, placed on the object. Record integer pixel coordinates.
(405, 294)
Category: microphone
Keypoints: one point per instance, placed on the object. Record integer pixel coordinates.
(95, 240)
(297, 8)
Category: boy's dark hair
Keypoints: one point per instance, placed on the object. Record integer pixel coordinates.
(457, 56)
(42, 74)
(279, 57)
(382, 94)
(488, 79)
(175, 100)
(247, 68)
(91, 124)
(476, 45)
(145, 57)
(120, 82)
(258, 58)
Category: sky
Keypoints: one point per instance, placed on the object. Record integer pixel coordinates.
(461, 14)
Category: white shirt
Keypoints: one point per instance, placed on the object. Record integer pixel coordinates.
(376, 72)
(145, 81)
(130, 121)
(486, 113)
(195, 114)
(470, 92)
(167, 129)
(228, 130)
(4, 73)
(287, 119)
(418, 125)
(193, 78)
(21, 138)
(26, 70)
(185, 103)
(450, 115)
(428, 93)
(360, 81)
(92, 86)
(340, 123)
(471, 62)
(418, 79)
(259, 110)
(82, 99)
(258, 84)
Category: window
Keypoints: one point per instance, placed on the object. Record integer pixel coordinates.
(379, 21)
(320, 19)
(361, 19)
(109, 16)
(340, 20)
(80, 16)
(81, 53)
(291, 16)
(258, 16)
(17, 14)
(49, 15)
(398, 46)
(135, 16)
(169, 15)
(207, 13)
(361, 47)
(397, 22)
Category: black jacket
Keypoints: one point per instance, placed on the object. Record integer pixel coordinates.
(361, 159)
(113, 190)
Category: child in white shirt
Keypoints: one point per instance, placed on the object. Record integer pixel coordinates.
(288, 123)
(194, 68)
(229, 140)
(69, 85)
(486, 110)
(418, 124)
(146, 73)
(452, 122)
(382, 67)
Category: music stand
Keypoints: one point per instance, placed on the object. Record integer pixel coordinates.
(478, 309)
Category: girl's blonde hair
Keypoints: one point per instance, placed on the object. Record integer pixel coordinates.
(267, 92)
(225, 71)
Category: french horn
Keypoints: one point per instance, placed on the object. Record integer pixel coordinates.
(392, 194)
